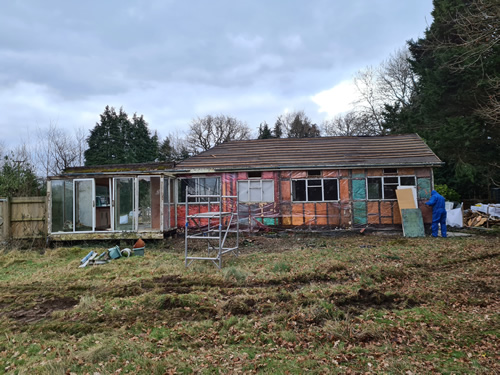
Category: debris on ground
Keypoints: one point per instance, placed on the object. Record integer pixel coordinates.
(480, 219)
(490, 209)
(93, 258)
(139, 247)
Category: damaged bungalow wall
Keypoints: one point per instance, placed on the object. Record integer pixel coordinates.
(352, 208)
(334, 214)
(380, 212)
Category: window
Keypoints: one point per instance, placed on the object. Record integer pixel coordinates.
(385, 187)
(256, 191)
(375, 188)
(390, 171)
(407, 181)
(315, 190)
(62, 206)
(314, 173)
(198, 186)
(390, 186)
(254, 174)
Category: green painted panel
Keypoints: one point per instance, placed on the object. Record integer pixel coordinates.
(266, 220)
(424, 188)
(358, 174)
(358, 189)
(359, 211)
(413, 225)
(269, 221)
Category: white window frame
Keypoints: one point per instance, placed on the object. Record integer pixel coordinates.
(322, 189)
(197, 184)
(383, 184)
(253, 182)
(91, 203)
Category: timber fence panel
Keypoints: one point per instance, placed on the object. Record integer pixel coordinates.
(28, 217)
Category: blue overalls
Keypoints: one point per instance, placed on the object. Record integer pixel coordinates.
(438, 213)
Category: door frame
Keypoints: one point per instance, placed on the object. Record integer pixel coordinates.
(136, 206)
(134, 203)
(75, 181)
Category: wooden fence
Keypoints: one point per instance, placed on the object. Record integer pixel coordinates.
(23, 218)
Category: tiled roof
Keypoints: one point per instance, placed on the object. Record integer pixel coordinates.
(321, 152)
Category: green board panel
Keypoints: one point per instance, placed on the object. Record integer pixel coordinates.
(269, 221)
(266, 220)
(413, 225)
(358, 174)
(424, 188)
(358, 189)
(359, 211)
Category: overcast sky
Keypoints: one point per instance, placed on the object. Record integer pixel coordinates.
(62, 62)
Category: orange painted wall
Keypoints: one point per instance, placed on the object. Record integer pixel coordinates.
(333, 214)
(344, 190)
(299, 174)
(330, 173)
(297, 214)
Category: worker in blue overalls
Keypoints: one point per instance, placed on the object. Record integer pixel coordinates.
(438, 213)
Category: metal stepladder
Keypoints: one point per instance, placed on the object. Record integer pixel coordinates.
(212, 218)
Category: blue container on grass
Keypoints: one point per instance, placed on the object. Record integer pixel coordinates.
(139, 251)
(114, 252)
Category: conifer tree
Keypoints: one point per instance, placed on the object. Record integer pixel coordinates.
(278, 128)
(264, 131)
(116, 139)
(457, 64)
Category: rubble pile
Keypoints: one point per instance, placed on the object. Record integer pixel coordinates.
(480, 219)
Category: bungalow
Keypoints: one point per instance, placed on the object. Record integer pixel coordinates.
(329, 182)
(325, 182)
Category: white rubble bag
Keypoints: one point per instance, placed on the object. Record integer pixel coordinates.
(455, 217)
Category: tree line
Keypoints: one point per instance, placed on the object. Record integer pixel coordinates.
(444, 86)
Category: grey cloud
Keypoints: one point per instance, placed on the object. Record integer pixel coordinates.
(171, 59)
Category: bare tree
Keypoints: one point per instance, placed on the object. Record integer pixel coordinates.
(56, 150)
(80, 140)
(396, 80)
(370, 102)
(391, 83)
(477, 31)
(21, 156)
(349, 124)
(174, 147)
(209, 131)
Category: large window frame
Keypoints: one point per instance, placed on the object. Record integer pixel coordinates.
(384, 187)
(61, 206)
(198, 186)
(261, 189)
(314, 190)
(75, 204)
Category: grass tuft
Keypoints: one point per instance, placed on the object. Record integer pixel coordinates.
(235, 274)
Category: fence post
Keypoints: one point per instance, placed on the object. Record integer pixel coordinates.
(6, 218)
(2, 212)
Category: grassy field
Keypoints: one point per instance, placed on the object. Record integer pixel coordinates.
(291, 304)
